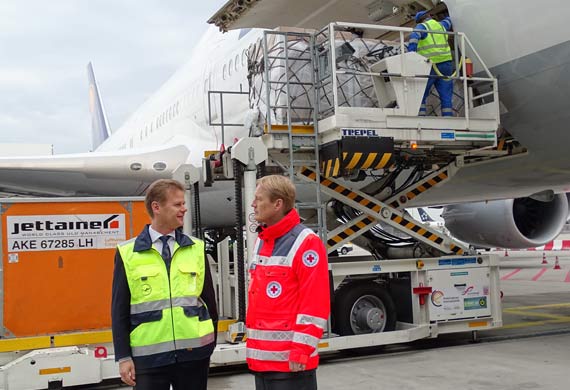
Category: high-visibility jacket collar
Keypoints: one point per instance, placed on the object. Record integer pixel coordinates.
(143, 241)
(289, 221)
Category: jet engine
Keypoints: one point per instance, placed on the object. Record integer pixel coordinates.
(513, 223)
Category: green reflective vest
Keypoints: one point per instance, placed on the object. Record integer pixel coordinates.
(167, 305)
(435, 46)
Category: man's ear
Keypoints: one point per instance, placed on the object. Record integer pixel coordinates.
(279, 204)
(155, 206)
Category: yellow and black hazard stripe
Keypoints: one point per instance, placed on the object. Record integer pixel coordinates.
(358, 160)
(331, 167)
(355, 153)
(342, 190)
(349, 231)
(369, 204)
(351, 161)
(422, 231)
(424, 186)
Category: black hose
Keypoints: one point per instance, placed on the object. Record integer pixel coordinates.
(197, 223)
(240, 258)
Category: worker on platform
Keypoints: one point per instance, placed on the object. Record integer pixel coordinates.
(163, 308)
(435, 47)
(289, 293)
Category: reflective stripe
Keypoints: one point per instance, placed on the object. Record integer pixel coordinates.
(172, 345)
(286, 261)
(413, 40)
(307, 339)
(436, 53)
(152, 349)
(269, 335)
(304, 319)
(163, 304)
(274, 260)
(185, 301)
(273, 356)
(300, 238)
(434, 46)
(195, 343)
(150, 306)
(447, 110)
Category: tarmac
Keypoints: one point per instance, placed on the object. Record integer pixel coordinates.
(531, 350)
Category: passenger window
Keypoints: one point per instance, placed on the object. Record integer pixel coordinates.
(230, 68)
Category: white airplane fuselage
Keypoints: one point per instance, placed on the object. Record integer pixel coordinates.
(525, 45)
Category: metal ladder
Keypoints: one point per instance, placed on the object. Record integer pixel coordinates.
(303, 141)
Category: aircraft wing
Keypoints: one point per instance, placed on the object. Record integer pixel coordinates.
(118, 173)
(293, 13)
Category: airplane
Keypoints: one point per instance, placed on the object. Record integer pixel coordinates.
(524, 48)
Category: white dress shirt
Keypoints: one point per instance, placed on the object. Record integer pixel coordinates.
(157, 244)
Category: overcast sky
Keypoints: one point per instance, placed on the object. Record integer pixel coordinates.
(135, 46)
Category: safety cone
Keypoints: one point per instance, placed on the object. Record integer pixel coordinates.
(556, 264)
(544, 259)
(506, 253)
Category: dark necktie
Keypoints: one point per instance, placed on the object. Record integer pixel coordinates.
(165, 249)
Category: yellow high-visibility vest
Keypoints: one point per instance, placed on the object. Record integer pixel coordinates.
(435, 47)
(167, 306)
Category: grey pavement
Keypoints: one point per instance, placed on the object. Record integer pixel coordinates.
(539, 308)
(531, 363)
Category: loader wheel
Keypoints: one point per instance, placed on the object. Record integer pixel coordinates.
(362, 308)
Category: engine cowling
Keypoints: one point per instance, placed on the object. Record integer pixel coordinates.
(513, 223)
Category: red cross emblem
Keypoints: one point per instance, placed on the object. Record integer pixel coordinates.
(273, 289)
(310, 258)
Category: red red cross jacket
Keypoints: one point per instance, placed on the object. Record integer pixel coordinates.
(289, 297)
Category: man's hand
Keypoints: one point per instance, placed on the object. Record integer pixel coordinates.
(127, 371)
(295, 367)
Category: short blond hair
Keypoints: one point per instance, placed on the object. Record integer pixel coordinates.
(158, 192)
(279, 187)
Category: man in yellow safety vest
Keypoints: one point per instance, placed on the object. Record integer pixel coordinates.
(432, 44)
(163, 304)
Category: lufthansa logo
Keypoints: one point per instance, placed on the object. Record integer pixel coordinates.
(146, 289)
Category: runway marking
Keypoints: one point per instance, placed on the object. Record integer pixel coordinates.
(535, 323)
(538, 275)
(526, 311)
(567, 280)
(550, 305)
(510, 274)
(540, 315)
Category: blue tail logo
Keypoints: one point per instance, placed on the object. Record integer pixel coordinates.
(100, 129)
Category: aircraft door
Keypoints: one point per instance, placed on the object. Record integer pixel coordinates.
(213, 108)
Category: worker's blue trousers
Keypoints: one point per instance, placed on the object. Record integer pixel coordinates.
(444, 89)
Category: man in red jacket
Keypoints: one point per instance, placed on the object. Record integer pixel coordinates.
(289, 295)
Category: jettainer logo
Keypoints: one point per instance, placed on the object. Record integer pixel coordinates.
(43, 225)
(64, 232)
